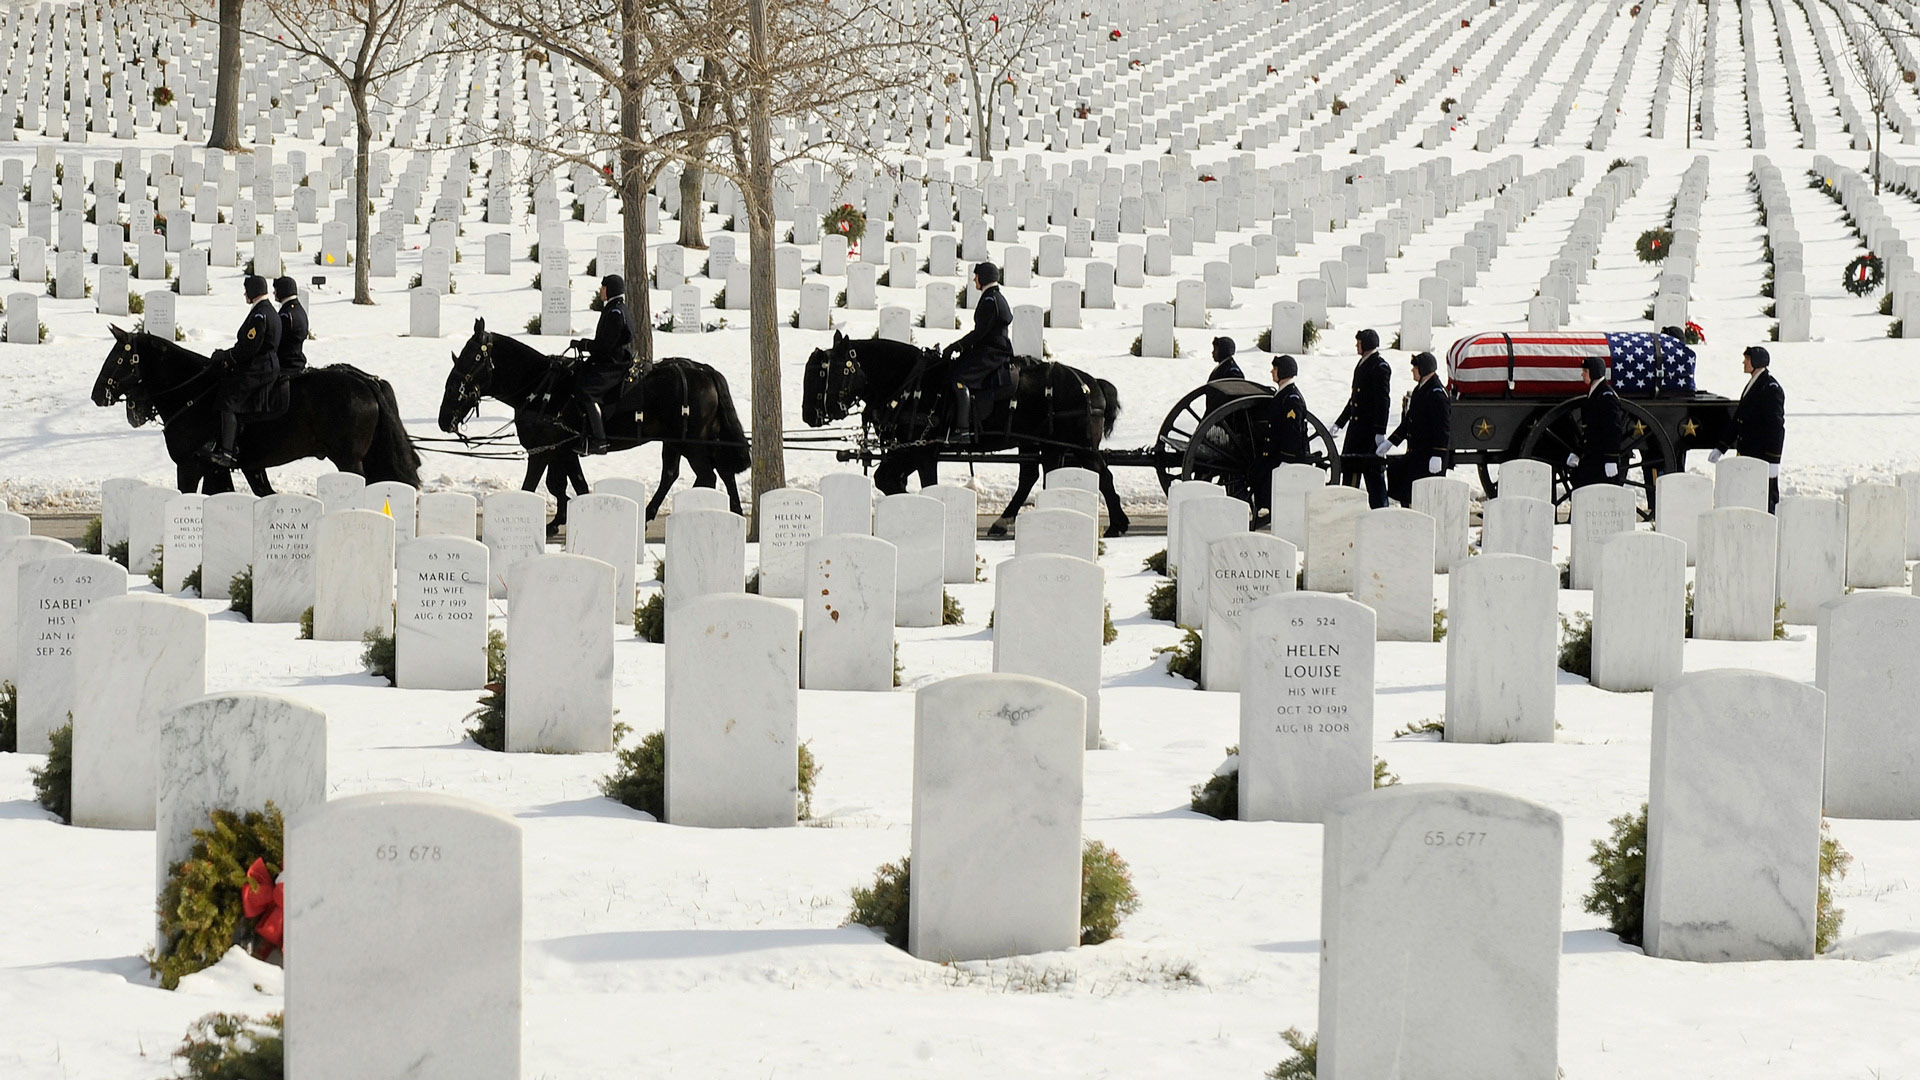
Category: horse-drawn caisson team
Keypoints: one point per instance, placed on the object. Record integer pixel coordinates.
(1614, 408)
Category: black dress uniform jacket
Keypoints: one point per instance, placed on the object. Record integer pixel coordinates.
(253, 362)
(1601, 415)
(1366, 412)
(1426, 424)
(293, 336)
(987, 349)
(1286, 419)
(1760, 420)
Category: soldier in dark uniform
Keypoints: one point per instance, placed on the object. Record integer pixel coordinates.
(293, 326)
(1760, 420)
(1224, 367)
(1426, 426)
(1598, 461)
(1285, 420)
(980, 359)
(1363, 451)
(251, 366)
(606, 359)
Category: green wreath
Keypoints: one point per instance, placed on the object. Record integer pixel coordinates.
(202, 910)
(1653, 245)
(1864, 274)
(846, 221)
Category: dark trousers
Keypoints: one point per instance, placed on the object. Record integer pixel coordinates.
(1372, 468)
(1403, 470)
(1773, 494)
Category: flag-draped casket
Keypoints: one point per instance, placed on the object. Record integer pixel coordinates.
(1547, 364)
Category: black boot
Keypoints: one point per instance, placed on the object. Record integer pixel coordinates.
(223, 454)
(596, 429)
(962, 415)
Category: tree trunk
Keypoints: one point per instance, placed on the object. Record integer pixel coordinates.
(362, 216)
(1689, 115)
(633, 182)
(769, 461)
(1879, 115)
(226, 91)
(692, 182)
(982, 117)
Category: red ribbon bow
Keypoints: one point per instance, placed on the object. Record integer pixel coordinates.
(1694, 329)
(263, 900)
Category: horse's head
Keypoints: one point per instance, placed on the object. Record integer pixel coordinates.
(470, 379)
(120, 371)
(832, 383)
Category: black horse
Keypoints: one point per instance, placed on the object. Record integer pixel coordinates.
(682, 403)
(1058, 415)
(336, 412)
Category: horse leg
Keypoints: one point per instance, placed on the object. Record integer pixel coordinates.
(578, 475)
(258, 482)
(929, 472)
(890, 476)
(669, 472)
(704, 474)
(1029, 475)
(557, 487)
(187, 476)
(1117, 522)
(733, 491)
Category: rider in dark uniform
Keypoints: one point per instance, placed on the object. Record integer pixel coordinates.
(1426, 426)
(293, 326)
(981, 358)
(1598, 461)
(608, 357)
(251, 365)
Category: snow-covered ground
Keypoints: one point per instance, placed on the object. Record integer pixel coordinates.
(661, 951)
(654, 950)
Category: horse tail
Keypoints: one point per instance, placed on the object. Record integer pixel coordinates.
(1112, 396)
(734, 454)
(392, 455)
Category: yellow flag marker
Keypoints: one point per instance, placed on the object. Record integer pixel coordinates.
(386, 507)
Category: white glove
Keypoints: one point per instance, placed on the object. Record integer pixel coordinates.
(1774, 471)
(1433, 465)
(1380, 445)
(1339, 427)
(1573, 461)
(1713, 458)
(1613, 470)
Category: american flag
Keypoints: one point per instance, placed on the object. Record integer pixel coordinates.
(1548, 364)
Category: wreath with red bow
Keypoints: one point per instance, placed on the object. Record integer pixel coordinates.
(1864, 274)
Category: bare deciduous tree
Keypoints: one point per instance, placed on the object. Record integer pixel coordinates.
(226, 90)
(990, 38)
(1689, 56)
(1877, 69)
(364, 44)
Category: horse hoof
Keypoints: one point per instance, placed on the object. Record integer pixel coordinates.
(996, 530)
(1118, 528)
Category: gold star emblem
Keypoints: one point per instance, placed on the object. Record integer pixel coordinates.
(1483, 429)
(1639, 429)
(1689, 429)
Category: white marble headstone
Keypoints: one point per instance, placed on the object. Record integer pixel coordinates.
(732, 713)
(234, 751)
(1242, 570)
(340, 491)
(1047, 622)
(706, 554)
(226, 541)
(1056, 532)
(997, 791)
(285, 530)
(1288, 489)
(1741, 481)
(607, 527)
(1639, 611)
(1447, 502)
(1502, 647)
(1865, 661)
(1679, 500)
(1517, 525)
(1202, 521)
(789, 520)
(353, 575)
(52, 594)
(142, 655)
(1306, 706)
(1733, 817)
(1876, 536)
(440, 614)
(916, 526)
(403, 939)
(1440, 935)
(1599, 511)
(1733, 585)
(559, 665)
(448, 513)
(963, 529)
(847, 500)
(1393, 571)
(513, 528)
(15, 553)
(847, 614)
(180, 545)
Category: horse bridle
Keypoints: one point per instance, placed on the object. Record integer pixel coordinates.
(480, 375)
(136, 382)
(843, 400)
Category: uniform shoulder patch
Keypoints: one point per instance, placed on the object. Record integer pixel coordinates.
(252, 330)
(1292, 415)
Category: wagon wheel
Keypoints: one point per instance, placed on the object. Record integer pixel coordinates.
(1645, 448)
(1225, 448)
(1177, 430)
